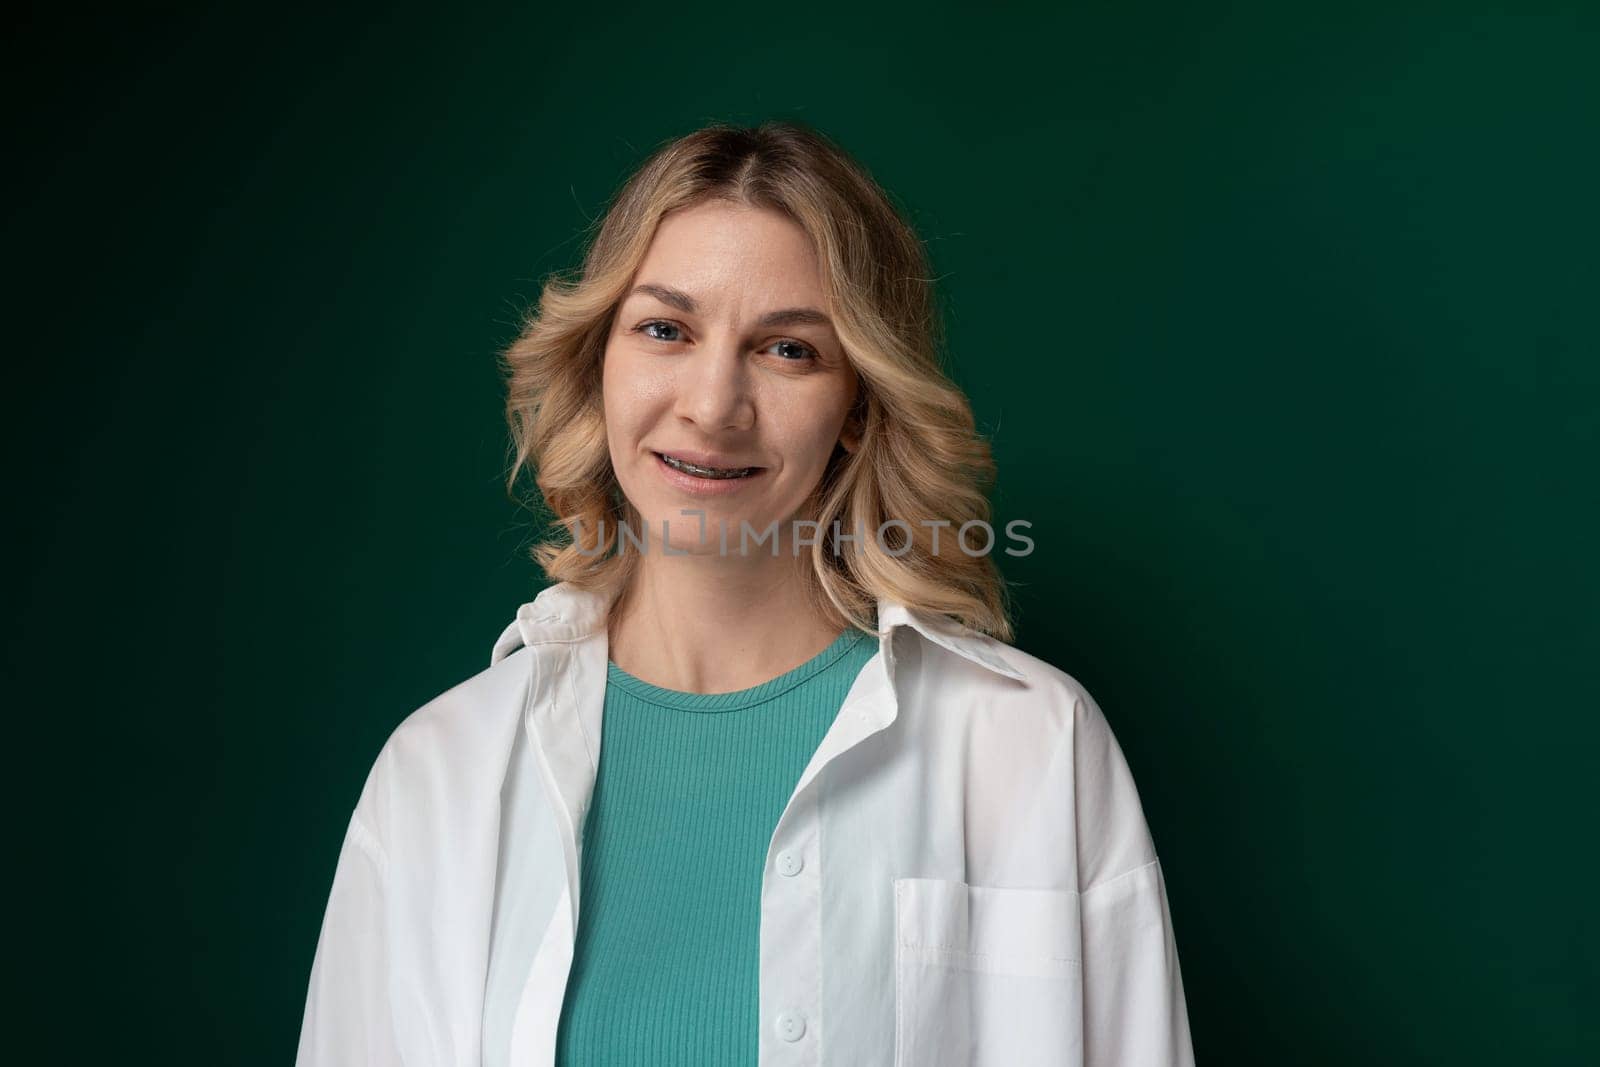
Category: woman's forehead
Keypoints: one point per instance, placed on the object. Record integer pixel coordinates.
(716, 252)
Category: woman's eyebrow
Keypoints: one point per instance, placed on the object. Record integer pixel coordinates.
(685, 303)
(794, 317)
(667, 295)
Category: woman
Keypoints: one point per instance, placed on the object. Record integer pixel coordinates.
(758, 779)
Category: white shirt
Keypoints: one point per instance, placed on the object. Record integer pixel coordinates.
(962, 875)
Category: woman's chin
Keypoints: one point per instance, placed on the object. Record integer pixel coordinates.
(712, 534)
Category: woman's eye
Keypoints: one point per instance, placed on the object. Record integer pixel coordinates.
(798, 350)
(646, 327)
(669, 333)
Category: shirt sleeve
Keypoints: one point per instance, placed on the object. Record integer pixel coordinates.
(347, 1017)
(1134, 1013)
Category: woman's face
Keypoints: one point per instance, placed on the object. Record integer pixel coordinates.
(722, 356)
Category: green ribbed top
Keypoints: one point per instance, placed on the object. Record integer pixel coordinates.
(689, 789)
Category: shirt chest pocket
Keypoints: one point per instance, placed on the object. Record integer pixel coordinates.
(986, 976)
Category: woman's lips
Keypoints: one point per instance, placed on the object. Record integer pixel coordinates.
(704, 486)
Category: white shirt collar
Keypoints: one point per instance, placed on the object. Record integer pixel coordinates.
(563, 612)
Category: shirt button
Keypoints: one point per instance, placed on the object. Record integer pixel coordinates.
(789, 864)
(791, 1025)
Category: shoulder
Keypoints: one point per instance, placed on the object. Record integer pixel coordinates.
(993, 684)
(466, 713)
(1032, 722)
(1045, 686)
(1004, 676)
(1112, 832)
(443, 751)
(1051, 686)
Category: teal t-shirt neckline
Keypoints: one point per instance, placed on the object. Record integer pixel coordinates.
(738, 698)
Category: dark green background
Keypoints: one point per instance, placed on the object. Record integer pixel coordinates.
(1282, 322)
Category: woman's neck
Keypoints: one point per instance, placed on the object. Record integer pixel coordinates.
(708, 624)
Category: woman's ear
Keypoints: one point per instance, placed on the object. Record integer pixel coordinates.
(854, 424)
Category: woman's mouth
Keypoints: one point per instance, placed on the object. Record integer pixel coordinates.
(712, 474)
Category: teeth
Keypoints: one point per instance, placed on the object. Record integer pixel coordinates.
(706, 472)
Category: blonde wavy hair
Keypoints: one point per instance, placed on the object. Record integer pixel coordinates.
(920, 457)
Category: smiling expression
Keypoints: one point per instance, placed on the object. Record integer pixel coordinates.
(725, 387)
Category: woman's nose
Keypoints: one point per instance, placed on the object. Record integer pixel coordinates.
(714, 389)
